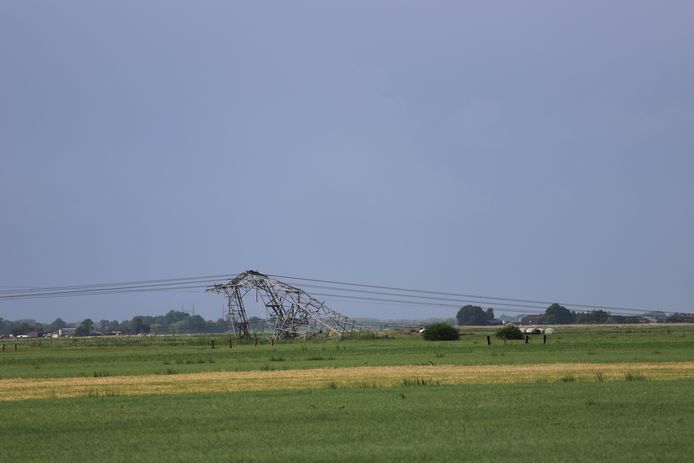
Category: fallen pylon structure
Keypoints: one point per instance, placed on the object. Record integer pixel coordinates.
(291, 312)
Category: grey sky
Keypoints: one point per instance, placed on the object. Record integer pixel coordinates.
(525, 149)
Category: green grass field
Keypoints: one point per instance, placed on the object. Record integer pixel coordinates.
(187, 354)
(629, 421)
(631, 418)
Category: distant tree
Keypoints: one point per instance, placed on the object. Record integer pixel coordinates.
(593, 316)
(173, 316)
(58, 324)
(40, 329)
(440, 332)
(557, 314)
(257, 324)
(219, 326)
(198, 324)
(471, 315)
(85, 328)
(19, 328)
(103, 325)
(135, 325)
(179, 327)
(138, 325)
(115, 325)
(490, 314)
(191, 324)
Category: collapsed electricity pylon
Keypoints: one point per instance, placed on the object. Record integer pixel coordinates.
(291, 312)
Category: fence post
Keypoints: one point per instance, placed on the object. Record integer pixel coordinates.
(230, 343)
(212, 342)
(255, 341)
(526, 338)
(489, 340)
(544, 339)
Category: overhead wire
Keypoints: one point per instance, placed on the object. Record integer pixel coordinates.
(542, 303)
(386, 294)
(87, 287)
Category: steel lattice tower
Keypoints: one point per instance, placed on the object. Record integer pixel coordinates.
(291, 312)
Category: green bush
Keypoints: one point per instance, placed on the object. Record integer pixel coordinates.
(509, 332)
(440, 332)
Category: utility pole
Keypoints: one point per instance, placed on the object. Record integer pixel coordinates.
(291, 311)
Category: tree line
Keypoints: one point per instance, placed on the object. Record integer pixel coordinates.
(174, 321)
(557, 314)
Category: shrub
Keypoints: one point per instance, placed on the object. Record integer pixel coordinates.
(419, 382)
(509, 332)
(440, 332)
(634, 376)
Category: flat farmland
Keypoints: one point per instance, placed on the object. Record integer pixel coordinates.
(598, 393)
(118, 356)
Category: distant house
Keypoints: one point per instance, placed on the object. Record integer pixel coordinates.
(64, 333)
(681, 318)
(537, 319)
(115, 333)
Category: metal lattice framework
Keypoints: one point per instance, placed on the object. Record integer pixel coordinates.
(291, 312)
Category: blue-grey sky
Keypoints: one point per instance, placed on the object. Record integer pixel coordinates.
(535, 149)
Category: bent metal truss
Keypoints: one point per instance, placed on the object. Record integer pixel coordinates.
(291, 312)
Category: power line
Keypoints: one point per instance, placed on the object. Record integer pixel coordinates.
(410, 296)
(101, 291)
(508, 307)
(426, 298)
(96, 292)
(145, 283)
(488, 299)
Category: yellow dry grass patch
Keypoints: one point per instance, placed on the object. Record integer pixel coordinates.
(22, 389)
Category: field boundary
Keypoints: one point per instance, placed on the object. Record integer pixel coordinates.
(332, 378)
